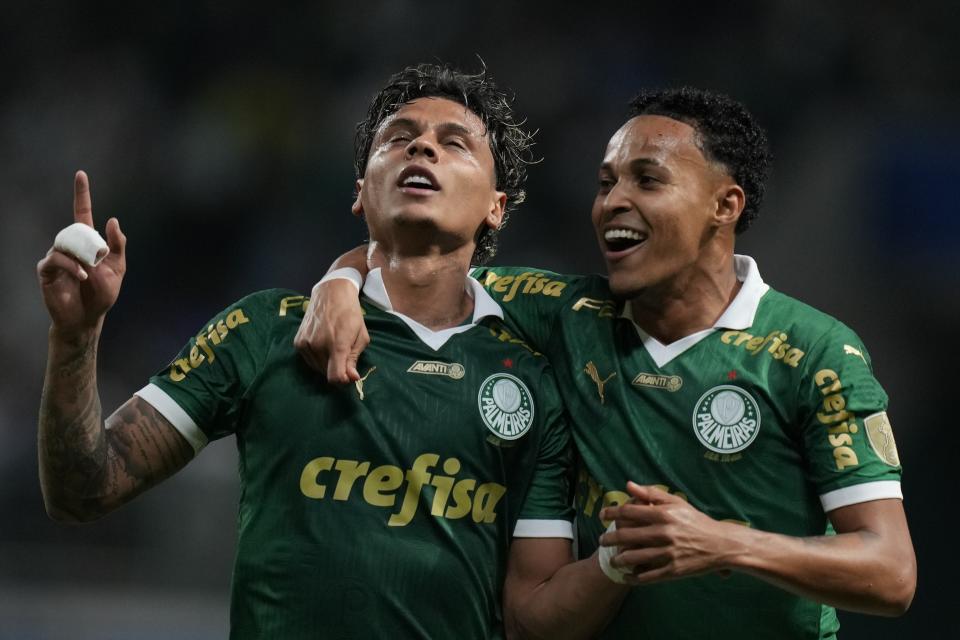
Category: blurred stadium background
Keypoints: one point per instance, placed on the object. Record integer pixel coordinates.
(221, 135)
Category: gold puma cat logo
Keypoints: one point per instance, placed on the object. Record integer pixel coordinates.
(359, 383)
(591, 370)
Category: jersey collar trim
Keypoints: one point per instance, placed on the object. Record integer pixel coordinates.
(741, 312)
(738, 315)
(483, 305)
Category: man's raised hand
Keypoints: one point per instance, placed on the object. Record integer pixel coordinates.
(77, 298)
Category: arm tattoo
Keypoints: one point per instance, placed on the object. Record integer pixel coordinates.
(144, 448)
(88, 468)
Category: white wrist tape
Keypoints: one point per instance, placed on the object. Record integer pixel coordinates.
(346, 273)
(605, 554)
(83, 243)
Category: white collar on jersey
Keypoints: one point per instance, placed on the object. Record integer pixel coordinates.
(738, 315)
(483, 306)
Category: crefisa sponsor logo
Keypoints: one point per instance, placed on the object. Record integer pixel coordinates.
(506, 406)
(726, 419)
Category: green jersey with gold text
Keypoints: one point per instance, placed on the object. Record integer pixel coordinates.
(381, 507)
(771, 419)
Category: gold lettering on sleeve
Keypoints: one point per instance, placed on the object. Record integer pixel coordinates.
(604, 308)
(293, 302)
(525, 283)
(840, 423)
(205, 344)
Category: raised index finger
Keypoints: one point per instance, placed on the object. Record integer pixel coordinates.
(82, 207)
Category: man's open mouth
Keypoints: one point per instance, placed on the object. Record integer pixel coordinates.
(415, 177)
(618, 240)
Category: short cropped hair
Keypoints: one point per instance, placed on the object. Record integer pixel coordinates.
(510, 144)
(726, 132)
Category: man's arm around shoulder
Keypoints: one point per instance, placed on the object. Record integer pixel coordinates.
(547, 595)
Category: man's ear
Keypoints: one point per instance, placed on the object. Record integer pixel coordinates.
(498, 206)
(357, 206)
(730, 202)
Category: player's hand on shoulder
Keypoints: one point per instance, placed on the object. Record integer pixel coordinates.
(332, 334)
(78, 295)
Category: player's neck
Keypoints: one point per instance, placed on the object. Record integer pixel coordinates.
(689, 302)
(427, 288)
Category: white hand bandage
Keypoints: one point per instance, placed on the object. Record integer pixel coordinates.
(605, 554)
(82, 242)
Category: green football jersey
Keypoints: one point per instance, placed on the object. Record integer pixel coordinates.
(771, 419)
(386, 506)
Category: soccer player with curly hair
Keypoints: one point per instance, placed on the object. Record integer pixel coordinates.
(385, 507)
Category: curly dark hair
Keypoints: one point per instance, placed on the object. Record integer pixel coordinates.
(726, 133)
(509, 142)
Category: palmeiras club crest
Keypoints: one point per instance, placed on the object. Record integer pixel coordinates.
(726, 419)
(506, 406)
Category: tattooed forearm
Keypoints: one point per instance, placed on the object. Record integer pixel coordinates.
(88, 468)
(77, 358)
(70, 437)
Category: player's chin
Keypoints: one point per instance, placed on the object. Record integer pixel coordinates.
(624, 284)
(416, 216)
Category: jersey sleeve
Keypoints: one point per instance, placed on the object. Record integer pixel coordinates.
(847, 434)
(547, 510)
(201, 391)
(531, 299)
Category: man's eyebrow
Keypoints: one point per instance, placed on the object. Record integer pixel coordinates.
(637, 164)
(450, 127)
(456, 128)
(401, 122)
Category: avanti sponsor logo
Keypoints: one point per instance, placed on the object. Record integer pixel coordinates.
(657, 381)
(726, 419)
(506, 406)
(453, 370)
